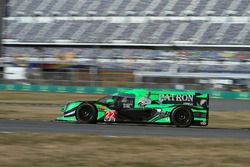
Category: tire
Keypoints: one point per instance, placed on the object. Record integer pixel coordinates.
(86, 113)
(182, 117)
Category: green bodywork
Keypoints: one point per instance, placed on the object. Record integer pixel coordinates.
(200, 112)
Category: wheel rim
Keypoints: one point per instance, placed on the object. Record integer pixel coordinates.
(85, 113)
(182, 117)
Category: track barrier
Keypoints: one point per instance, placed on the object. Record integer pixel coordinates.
(109, 90)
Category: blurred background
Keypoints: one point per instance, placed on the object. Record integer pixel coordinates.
(174, 44)
(84, 47)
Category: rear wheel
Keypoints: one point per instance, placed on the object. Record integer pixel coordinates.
(86, 113)
(181, 117)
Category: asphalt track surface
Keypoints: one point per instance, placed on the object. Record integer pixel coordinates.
(229, 105)
(9, 126)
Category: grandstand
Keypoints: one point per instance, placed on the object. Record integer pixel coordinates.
(214, 22)
(20, 8)
(57, 30)
(141, 35)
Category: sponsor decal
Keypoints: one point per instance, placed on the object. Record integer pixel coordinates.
(101, 107)
(203, 123)
(176, 98)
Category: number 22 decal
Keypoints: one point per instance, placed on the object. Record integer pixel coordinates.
(110, 115)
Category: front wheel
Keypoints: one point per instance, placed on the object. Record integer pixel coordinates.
(86, 113)
(181, 117)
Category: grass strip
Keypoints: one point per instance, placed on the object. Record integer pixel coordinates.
(29, 149)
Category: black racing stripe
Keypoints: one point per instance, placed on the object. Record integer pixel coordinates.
(200, 115)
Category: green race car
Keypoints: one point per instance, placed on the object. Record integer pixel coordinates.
(179, 108)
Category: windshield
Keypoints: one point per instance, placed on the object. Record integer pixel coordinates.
(120, 100)
(104, 99)
(124, 101)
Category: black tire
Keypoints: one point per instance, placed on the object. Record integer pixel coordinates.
(86, 113)
(182, 117)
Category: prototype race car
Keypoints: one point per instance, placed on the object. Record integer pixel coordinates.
(179, 108)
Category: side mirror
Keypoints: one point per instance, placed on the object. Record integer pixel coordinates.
(110, 101)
